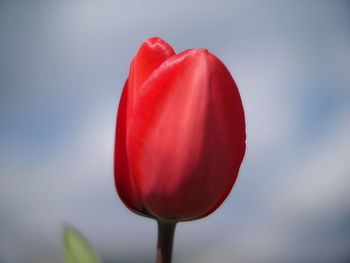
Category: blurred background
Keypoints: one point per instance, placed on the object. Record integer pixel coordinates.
(62, 67)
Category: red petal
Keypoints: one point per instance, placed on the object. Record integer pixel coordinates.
(186, 138)
(125, 183)
(151, 54)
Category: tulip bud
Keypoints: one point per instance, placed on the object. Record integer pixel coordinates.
(180, 136)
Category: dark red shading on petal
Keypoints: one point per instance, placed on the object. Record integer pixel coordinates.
(124, 181)
(186, 138)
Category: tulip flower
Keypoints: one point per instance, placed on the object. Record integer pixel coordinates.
(180, 137)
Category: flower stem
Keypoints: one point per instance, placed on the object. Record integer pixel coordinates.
(166, 230)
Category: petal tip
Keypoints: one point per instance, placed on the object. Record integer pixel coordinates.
(154, 41)
(202, 51)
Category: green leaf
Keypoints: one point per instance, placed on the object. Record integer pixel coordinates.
(76, 249)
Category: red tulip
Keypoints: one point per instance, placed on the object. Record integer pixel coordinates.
(180, 135)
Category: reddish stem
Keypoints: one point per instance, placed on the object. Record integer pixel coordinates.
(166, 230)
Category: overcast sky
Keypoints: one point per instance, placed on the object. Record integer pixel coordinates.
(62, 68)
